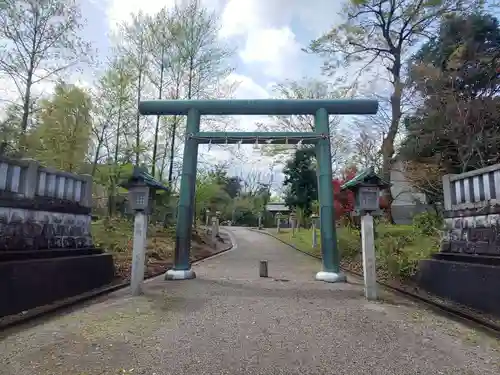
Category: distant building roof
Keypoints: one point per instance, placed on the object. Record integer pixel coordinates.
(277, 207)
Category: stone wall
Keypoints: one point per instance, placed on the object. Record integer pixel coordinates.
(467, 269)
(46, 250)
(43, 208)
(472, 212)
(24, 229)
(479, 234)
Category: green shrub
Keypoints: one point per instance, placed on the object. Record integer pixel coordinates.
(349, 240)
(399, 248)
(428, 223)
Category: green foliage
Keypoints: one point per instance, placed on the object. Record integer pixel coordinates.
(398, 248)
(10, 129)
(210, 195)
(428, 223)
(456, 127)
(62, 136)
(113, 234)
(301, 181)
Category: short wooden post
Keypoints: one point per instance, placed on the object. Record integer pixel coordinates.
(263, 272)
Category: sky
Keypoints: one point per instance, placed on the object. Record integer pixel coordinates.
(268, 36)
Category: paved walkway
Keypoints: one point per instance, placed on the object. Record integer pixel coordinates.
(229, 321)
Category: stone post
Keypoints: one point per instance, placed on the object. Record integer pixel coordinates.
(30, 182)
(86, 198)
(214, 228)
(207, 219)
(138, 253)
(314, 232)
(217, 222)
(368, 248)
(293, 222)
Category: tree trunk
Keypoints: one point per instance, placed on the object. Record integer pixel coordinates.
(157, 128)
(138, 120)
(388, 142)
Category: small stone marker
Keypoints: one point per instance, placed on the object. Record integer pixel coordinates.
(263, 268)
(293, 222)
(314, 218)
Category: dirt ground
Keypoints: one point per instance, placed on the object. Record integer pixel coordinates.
(160, 261)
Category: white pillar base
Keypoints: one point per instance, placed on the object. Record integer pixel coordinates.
(180, 274)
(331, 277)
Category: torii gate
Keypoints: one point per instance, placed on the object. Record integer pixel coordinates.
(194, 109)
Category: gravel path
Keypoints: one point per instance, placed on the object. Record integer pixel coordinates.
(230, 321)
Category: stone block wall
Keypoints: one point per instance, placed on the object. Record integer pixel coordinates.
(43, 208)
(472, 212)
(27, 229)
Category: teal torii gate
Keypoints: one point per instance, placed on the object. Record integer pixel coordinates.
(194, 109)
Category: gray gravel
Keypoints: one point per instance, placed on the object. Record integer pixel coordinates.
(230, 321)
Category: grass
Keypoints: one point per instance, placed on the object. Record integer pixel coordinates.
(398, 248)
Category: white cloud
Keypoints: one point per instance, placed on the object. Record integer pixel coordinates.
(268, 40)
(247, 88)
(9, 93)
(119, 11)
(275, 50)
(268, 45)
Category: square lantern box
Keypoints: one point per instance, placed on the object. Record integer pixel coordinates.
(366, 187)
(367, 198)
(141, 187)
(138, 198)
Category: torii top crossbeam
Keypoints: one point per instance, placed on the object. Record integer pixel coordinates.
(259, 107)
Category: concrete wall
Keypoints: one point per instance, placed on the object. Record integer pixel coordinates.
(30, 283)
(404, 194)
(407, 201)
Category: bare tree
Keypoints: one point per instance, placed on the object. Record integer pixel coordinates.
(133, 42)
(308, 89)
(199, 58)
(39, 41)
(384, 32)
(366, 150)
(112, 111)
(162, 28)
